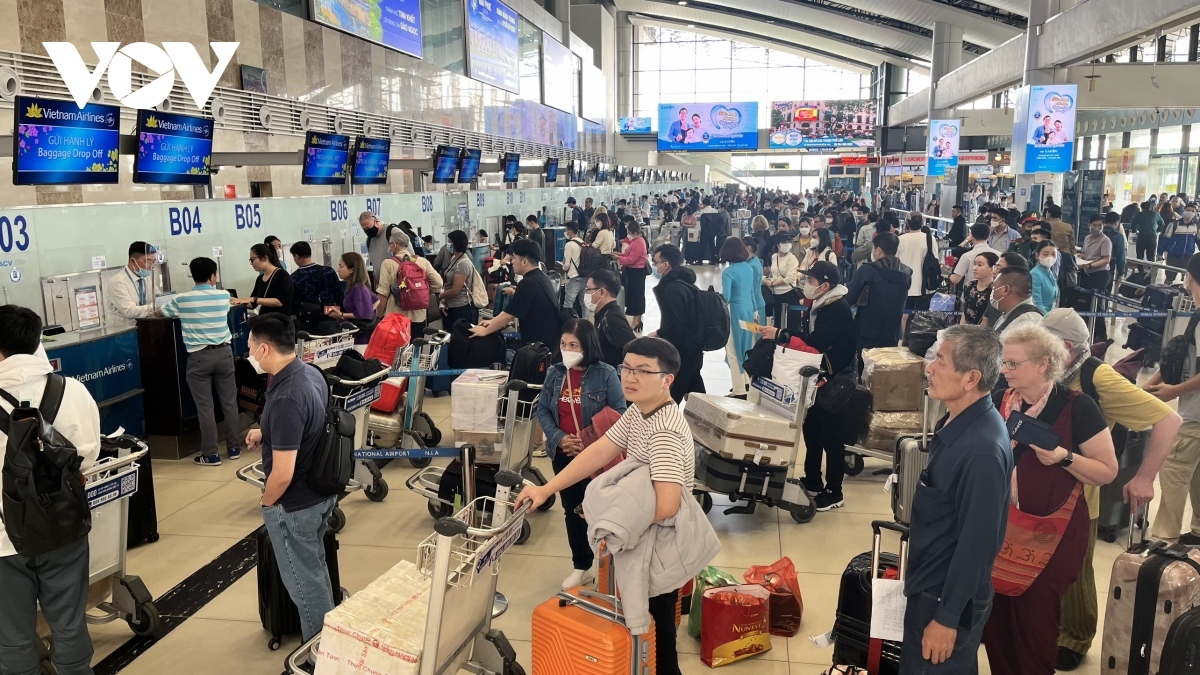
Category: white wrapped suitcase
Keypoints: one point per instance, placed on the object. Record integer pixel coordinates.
(739, 430)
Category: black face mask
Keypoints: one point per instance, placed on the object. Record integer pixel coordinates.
(372, 231)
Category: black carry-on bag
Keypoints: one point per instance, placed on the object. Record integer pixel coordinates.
(275, 607)
(852, 627)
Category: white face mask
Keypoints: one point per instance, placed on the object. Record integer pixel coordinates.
(1046, 261)
(811, 292)
(804, 231)
(254, 362)
(785, 248)
(588, 302)
(571, 359)
(1188, 215)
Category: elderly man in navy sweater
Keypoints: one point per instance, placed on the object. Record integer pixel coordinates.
(960, 510)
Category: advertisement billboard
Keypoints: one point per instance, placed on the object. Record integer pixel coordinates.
(558, 69)
(822, 125)
(493, 48)
(942, 152)
(635, 125)
(694, 127)
(531, 121)
(1045, 128)
(391, 23)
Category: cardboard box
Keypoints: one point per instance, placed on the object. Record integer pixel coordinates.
(896, 378)
(488, 444)
(474, 398)
(886, 427)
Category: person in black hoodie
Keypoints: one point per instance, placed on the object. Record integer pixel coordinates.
(879, 289)
(679, 301)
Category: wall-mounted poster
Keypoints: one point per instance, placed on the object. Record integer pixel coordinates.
(943, 147)
(694, 127)
(1044, 132)
(493, 47)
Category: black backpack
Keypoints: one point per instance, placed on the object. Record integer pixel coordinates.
(591, 260)
(45, 504)
(332, 464)
(465, 351)
(714, 317)
(931, 268)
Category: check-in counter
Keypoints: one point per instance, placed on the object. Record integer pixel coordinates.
(108, 362)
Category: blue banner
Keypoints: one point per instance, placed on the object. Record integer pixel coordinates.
(635, 125)
(172, 149)
(708, 126)
(1050, 126)
(58, 143)
(371, 157)
(493, 47)
(942, 152)
(391, 23)
(326, 159)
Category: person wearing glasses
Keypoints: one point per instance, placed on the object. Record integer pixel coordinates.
(575, 391)
(600, 298)
(273, 288)
(652, 431)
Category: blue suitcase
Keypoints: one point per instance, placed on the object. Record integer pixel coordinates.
(441, 384)
(1158, 298)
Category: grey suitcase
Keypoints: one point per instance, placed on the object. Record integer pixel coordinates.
(909, 460)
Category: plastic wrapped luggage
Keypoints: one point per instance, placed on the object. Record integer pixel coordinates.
(1152, 584)
(740, 430)
(275, 607)
(896, 378)
(852, 627)
(580, 632)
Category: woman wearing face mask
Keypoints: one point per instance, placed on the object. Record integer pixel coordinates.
(1045, 284)
(634, 268)
(273, 288)
(273, 241)
(820, 248)
(978, 292)
(782, 281)
(575, 391)
(804, 234)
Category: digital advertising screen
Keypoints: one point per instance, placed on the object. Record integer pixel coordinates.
(558, 68)
(445, 163)
(391, 23)
(326, 159)
(551, 170)
(57, 143)
(172, 149)
(634, 125)
(1046, 121)
(942, 152)
(468, 166)
(493, 48)
(371, 157)
(696, 127)
(512, 166)
(822, 125)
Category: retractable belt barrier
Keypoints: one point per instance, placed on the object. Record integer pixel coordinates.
(452, 372)
(405, 453)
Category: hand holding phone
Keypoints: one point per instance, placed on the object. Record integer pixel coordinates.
(1031, 431)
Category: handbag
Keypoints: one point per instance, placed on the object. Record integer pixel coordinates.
(835, 391)
(1029, 543)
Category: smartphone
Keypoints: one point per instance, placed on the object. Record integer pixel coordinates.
(1031, 431)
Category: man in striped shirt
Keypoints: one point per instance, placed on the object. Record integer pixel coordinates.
(203, 313)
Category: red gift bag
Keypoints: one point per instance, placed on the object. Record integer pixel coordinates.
(735, 623)
(393, 332)
(787, 606)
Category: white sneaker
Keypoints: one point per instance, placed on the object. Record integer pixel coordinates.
(578, 578)
(539, 450)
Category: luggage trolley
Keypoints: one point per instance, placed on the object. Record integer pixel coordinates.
(462, 558)
(775, 486)
(324, 350)
(355, 397)
(515, 453)
(415, 428)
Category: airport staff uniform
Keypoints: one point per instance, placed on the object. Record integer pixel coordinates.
(128, 297)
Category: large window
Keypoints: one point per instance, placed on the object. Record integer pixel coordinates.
(672, 66)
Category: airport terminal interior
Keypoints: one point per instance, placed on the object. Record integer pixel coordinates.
(149, 139)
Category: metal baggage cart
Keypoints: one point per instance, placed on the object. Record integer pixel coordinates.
(775, 486)
(515, 452)
(355, 397)
(323, 351)
(417, 429)
(462, 558)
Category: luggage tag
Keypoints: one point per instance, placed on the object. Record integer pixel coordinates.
(892, 479)
(887, 609)
(758, 454)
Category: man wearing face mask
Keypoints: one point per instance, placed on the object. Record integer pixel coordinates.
(1001, 234)
(1012, 294)
(203, 316)
(679, 301)
(600, 297)
(377, 243)
(1095, 270)
(534, 302)
(1178, 241)
(128, 294)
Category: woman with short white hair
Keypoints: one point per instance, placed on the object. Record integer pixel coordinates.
(1047, 535)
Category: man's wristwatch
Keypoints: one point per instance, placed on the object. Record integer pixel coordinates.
(1070, 459)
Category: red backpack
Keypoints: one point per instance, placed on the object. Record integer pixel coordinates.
(411, 288)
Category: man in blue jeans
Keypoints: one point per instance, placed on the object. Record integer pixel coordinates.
(292, 424)
(960, 510)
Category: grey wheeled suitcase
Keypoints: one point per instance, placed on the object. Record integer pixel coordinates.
(909, 460)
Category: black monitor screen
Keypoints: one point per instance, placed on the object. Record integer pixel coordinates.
(445, 164)
(512, 166)
(551, 170)
(468, 167)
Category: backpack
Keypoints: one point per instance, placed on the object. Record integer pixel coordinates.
(45, 504)
(931, 269)
(530, 363)
(332, 464)
(1174, 354)
(591, 260)
(1068, 273)
(478, 289)
(411, 287)
(464, 351)
(714, 315)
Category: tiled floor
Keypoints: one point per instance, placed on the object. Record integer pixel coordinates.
(204, 511)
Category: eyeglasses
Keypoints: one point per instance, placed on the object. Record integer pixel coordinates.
(1012, 365)
(253, 260)
(590, 290)
(638, 373)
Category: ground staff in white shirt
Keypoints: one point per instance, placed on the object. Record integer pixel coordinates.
(128, 295)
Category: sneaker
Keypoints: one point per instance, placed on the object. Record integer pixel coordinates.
(235, 453)
(814, 486)
(1067, 659)
(578, 578)
(1189, 539)
(539, 450)
(827, 501)
(207, 460)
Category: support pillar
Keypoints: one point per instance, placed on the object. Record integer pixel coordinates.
(1040, 11)
(947, 56)
(561, 9)
(625, 65)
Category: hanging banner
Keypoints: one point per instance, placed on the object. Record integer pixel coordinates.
(942, 152)
(1045, 119)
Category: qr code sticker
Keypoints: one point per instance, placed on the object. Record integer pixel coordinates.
(129, 483)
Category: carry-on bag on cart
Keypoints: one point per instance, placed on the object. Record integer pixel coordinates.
(582, 632)
(852, 641)
(1152, 584)
(1158, 298)
(529, 365)
(1181, 650)
(143, 513)
(1150, 342)
(465, 351)
(440, 384)
(391, 333)
(275, 607)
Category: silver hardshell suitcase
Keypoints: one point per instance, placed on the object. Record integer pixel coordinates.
(909, 461)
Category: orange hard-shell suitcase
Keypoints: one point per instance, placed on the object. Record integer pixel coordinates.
(580, 632)
(606, 585)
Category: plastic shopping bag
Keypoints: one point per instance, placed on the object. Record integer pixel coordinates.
(788, 362)
(711, 577)
(393, 332)
(736, 624)
(787, 606)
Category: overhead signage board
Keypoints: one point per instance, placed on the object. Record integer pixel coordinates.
(493, 47)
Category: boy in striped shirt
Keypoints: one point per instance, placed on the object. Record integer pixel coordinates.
(203, 313)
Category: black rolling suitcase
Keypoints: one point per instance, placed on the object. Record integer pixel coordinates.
(1114, 512)
(275, 607)
(1158, 298)
(1181, 651)
(1141, 337)
(143, 514)
(852, 643)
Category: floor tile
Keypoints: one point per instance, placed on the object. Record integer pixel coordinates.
(173, 494)
(232, 510)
